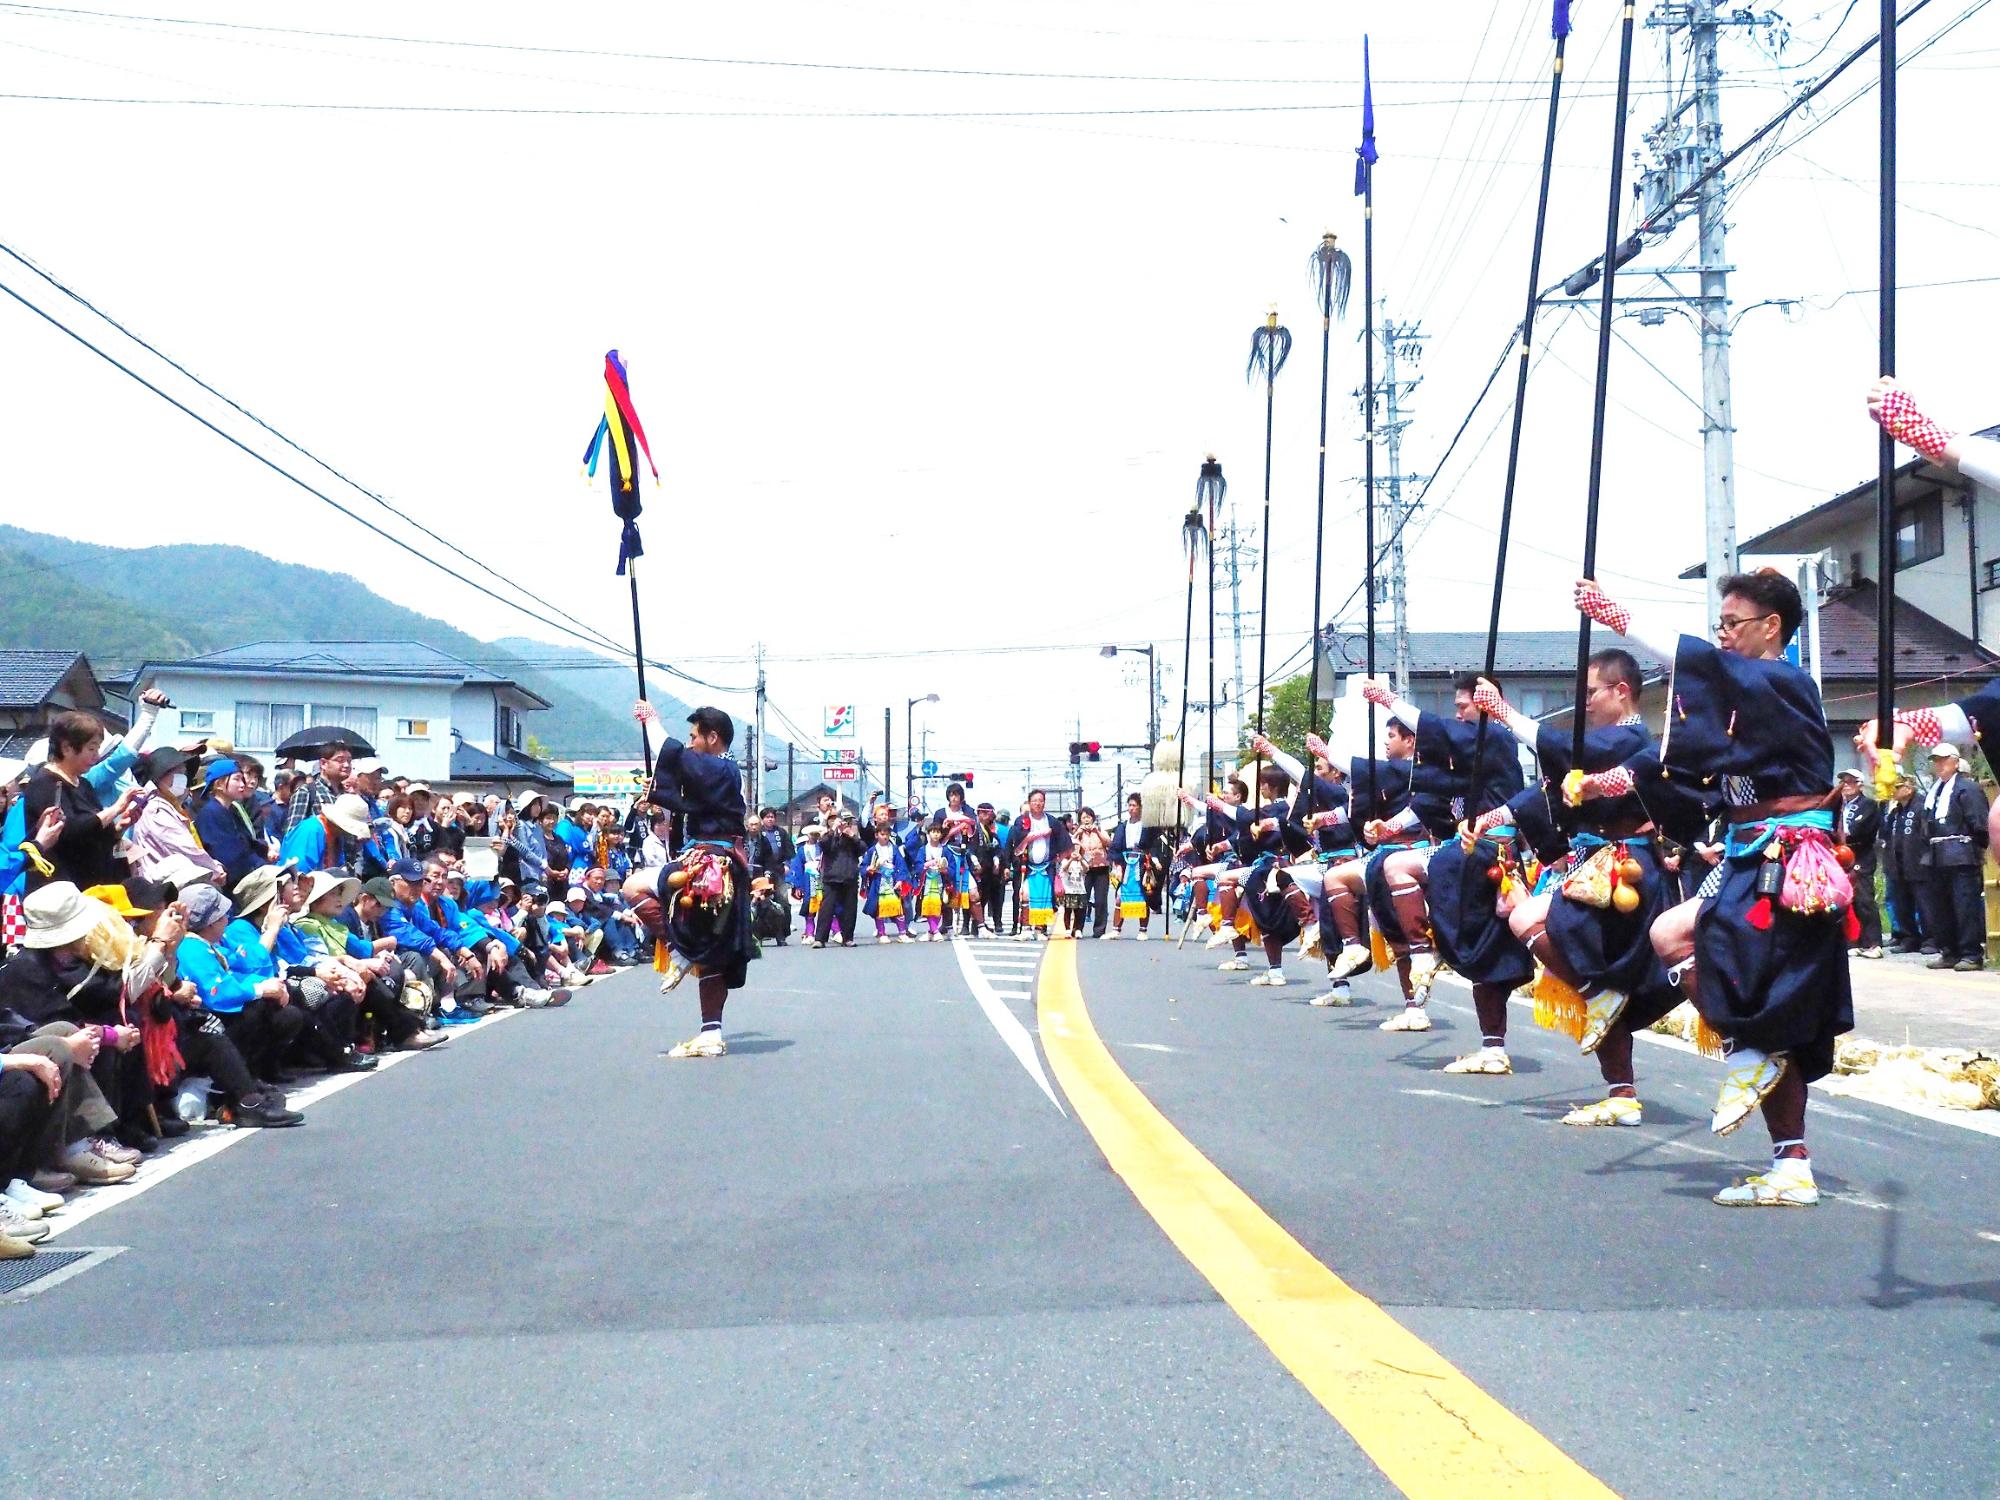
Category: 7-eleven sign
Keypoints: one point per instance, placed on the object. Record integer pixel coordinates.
(838, 722)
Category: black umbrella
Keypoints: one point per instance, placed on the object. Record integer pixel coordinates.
(315, 739)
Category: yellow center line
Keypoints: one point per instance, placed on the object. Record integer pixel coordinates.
(1431, 1431)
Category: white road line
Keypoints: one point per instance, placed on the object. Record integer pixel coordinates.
(1012, 1032)
(213, 1140)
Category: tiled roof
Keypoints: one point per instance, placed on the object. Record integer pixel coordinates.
(405, 659)
(1926, 648)
(27, 678)
(1440, 652)
(470, 763)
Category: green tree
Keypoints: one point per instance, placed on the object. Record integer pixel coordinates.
(1285, 713)
(534, 747)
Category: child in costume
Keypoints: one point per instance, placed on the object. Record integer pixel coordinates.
(1072, 893)
(885, 875)
(935, 879)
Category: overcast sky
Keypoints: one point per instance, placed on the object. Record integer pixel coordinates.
(917, 377)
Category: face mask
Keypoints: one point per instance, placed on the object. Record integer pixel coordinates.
(176, 784)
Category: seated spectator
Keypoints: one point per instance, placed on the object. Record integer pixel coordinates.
(412, 920)
(605, 910)
(519, 984)
(330, 838)
(164, 827)
(254, 1016)
(228, 834)
(85, 851)
(35, 986)
(329, 939)
(327, 990)
(28, 1092)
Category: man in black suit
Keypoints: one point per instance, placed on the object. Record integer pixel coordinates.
(1857, 823)
(1955, 824)
(1904, 869)
(770, 848)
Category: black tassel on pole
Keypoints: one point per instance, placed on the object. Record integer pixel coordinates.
(1604, 313)
(1194, 535)
(1209, 491)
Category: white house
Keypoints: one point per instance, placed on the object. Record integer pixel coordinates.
(431, 716)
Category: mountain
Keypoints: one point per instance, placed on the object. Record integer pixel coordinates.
(122, 605)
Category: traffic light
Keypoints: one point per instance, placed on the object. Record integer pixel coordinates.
(964, 776)
(1090, 748)
(1084, 750)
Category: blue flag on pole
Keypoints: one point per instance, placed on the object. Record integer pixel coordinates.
(1365, 153)
(1560, 28)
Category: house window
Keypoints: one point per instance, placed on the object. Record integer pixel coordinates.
(263, 726)
(1920, 531)
(1989, 577)
(413, 729)
(355, 716)
(510, 728)
(197, 718)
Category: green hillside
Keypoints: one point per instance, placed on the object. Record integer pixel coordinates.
(121, 605)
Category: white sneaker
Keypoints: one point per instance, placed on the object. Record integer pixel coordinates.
(1614, 1111)
(1485, 1060)
(1236, 963)
(1141, 937)
(1410, 1018)
(903, 938)
(810, 943)
(1789, 1184)
(1338, 995)
(841, 942)
(15, 1225)
(1354, 957)
(1107, 937)
(702, 1044)
(1271, 979)
(31, 1200)
(535, 999)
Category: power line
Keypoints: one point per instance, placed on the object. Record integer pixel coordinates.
(312, 490)
(56, 12)
(299, 448)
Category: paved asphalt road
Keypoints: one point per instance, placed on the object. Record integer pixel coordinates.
(866, 1255)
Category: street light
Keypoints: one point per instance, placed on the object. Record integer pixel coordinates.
(910, 747)
(1152, 689)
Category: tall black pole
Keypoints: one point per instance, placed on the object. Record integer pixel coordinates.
(1472, 810)
(1330, 279)
(888, 758)
(1209, 492)
(1368, 429)
(1264, 579)
(1885, 453)
(1605, 305)
(1191, 534)
(639, 659)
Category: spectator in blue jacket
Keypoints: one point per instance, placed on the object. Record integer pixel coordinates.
(331, 838)
(223, 821)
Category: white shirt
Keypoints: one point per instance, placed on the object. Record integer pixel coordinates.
(1941, 795)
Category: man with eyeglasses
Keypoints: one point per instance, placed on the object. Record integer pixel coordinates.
(1773, 980)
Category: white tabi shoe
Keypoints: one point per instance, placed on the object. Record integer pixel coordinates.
(701, 1044)
(1789, 1184)
(1309, 944)
(905, 938)
(1354, 957)
(1613, 1111)
(1600, 1013)
(1409, 1018)
(676, 971)
(1273, 979)
(1141, 937)
(1108, 937)
(1236, 963)
(1222, 936)
(1751, 1077)
(1485, 1060)
(1338, 995)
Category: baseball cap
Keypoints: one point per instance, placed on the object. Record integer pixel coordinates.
(407, 869)
(380, 889)
(1940, 751)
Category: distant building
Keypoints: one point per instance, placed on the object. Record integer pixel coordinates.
(431, 716)
(35, 686)
(1947, 587)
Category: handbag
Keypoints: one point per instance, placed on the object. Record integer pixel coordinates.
(1590, 883)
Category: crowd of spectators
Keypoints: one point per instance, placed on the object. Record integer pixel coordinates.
(187, 934)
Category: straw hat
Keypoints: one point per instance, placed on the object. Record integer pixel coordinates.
(349, 814)
(325, 883)
(257, 888)
(58, 914)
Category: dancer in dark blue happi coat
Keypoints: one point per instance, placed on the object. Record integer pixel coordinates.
(1767, 936)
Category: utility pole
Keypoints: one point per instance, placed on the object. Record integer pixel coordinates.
(1680, 159)
(1238, 554)
(1401, 342)
(757, 760)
